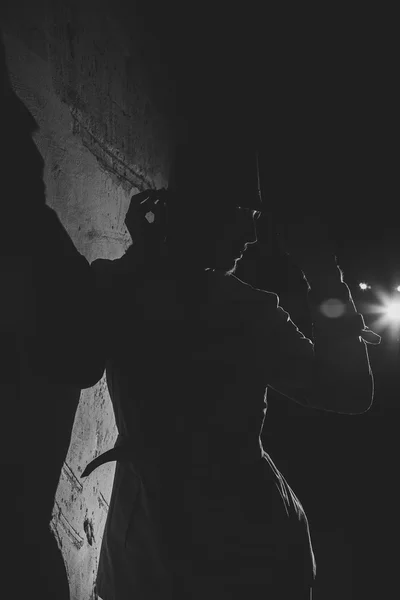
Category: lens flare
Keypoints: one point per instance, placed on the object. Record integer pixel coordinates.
(393, 311)
(333, 308)
(388, 310)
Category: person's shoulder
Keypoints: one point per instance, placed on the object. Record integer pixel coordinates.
(241, 291)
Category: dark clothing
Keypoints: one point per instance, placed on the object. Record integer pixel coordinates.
(198, 508)
(244, 530)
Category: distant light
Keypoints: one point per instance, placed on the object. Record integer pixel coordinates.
(393, 311)
(333, 308)
(388, 312)
(365, 286)
(398, 288)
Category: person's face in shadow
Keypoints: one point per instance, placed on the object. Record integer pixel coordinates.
(238, 232)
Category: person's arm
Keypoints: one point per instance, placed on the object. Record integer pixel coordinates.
(106, 271)
(67, 342)
(50, 306)
(145, 221)
(332, 371)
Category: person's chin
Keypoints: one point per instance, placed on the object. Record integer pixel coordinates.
(225, 267)
(231, 267)
(228, 265)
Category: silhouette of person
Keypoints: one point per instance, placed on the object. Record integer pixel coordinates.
(198, 507)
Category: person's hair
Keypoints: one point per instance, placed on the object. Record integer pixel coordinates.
(193, 230)
(198, 209)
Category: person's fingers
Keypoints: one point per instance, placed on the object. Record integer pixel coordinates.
(147, 217)
(140, 197)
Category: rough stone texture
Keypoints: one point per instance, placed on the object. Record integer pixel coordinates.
(81, 505)
(84, 74)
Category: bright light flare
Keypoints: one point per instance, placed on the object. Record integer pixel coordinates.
(393, 311)
(365, 286)
(388, 310)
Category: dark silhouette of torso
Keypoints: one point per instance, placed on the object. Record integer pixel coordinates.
(187, 366)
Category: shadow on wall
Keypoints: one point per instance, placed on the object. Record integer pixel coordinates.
(45, 308)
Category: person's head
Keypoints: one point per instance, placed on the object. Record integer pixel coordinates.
(210, 235)
(236, 232)
(214, 201)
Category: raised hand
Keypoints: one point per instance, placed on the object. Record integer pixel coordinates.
(146, 221)
(307, 241)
